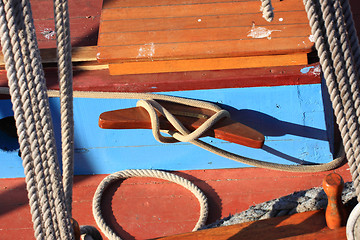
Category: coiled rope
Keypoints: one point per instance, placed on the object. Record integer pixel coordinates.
(145, 173)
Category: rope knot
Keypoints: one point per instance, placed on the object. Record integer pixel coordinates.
(182, 134)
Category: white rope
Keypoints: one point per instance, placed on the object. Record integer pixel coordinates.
(109, 233)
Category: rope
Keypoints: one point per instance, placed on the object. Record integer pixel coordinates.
(62, 28)
(342, 85)
(109, 233)
(27, 88)
(267, 10)
(297, 202)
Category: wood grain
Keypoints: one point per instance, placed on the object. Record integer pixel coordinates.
(207, 64)
(307, 225)
(149, 30)
(192, 22)
(193, 9)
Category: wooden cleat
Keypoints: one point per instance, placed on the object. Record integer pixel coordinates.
(335, 215)
(191, 117)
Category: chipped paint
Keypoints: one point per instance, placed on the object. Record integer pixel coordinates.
(306, 69)
(148, 50)
(260, 32)
(312, 70)
(281, 19)
(199, 20)
(312, 38)
(48, 33)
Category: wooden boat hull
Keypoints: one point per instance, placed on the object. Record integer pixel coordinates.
(292, 118)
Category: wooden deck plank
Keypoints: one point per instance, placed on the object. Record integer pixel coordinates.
(198, 30)
(235, 20)
(145, 3)
(206, 49)
(200, 35)
(205, 9)
(207, 64)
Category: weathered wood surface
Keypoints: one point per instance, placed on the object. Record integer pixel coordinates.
(201, 29)
(142, 208)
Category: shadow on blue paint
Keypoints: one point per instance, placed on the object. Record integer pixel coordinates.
(270, 126)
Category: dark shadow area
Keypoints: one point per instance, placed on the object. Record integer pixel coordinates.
(8, 135)
(270, 126)
(285, 156)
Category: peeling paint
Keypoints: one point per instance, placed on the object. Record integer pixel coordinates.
(314, 70)
(48, 33)
(261, 32)
(312, 38)
(281, 19)
(148, 50)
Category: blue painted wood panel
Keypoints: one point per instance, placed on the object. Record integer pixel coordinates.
(292, 118)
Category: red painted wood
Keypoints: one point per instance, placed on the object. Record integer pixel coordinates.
(100, 80)
(149, 208)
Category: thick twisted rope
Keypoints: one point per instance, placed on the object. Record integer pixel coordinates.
(62, 28)
(109, 233)
(267, 10)
(340, 82)
(25, 80)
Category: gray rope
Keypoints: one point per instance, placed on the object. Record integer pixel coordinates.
(14, 38)
(109, 233)
(323, 25)
(298, 202)
(62, 28)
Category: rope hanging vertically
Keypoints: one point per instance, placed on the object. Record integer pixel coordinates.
(62, 29)
(30, 103)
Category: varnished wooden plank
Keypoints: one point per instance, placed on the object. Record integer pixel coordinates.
(202, 35)
(198, 39)
(205, 49)
(276, 228)
(170, 11)
(146, 3)
(235, 20)
(207, 64)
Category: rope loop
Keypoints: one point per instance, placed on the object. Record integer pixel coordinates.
(109, 233)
